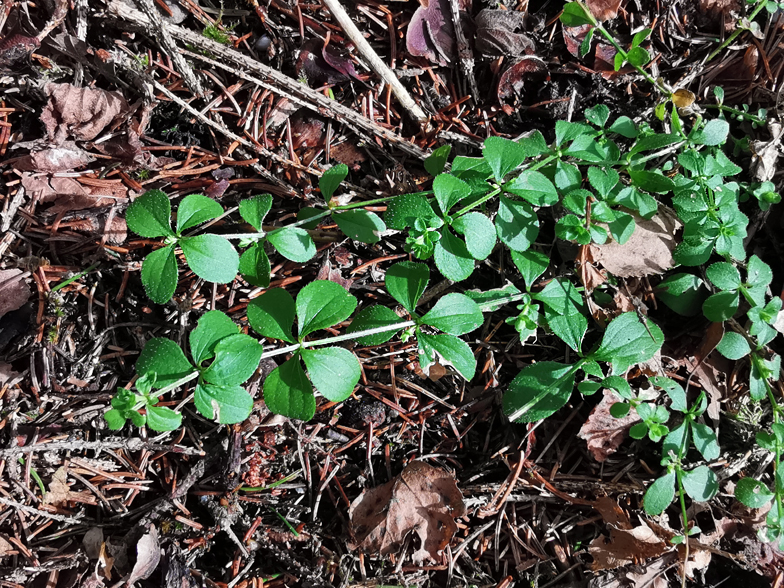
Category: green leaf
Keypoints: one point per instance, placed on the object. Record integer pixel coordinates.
(622, 228)
(211, 257)
(503, 155)
(640, 37)
(159, 275)
(733, 346)
(603, 180)
(576, 201)
(598, 114)
(213, 326)
(449, 190)
(700, 483)
(452, 257)
(436, 161)
(149, 214)
(493, 299)
(715, 132)
(293, 243)
(322, 304)
(588, 387)
(592, 368)
(654, 142)
(404, 210)
(752, 493)
(638, 56)
(660, 495)
(627, 342)
(585, 46)
(115, 419)
(721, 306)
(567, 176)
(272, 314)
(254, 209)
(516, 224)
(569, 328)
(334, 371)
(373, 317)
(674, 390)
(479, 234)
(571, 228)
(538, 391)
(683, 293)
(194, 210)
(331, 178)
(566, 131)
(705, 441)
(561, 297)
(406, 282)
(622, 387)
(676, 441)
(625, 127)
(161, 418)
(724, 276)
(361, 225)
(758, 273)
(288, 392)
(455, 314)
(531, 264)
(255, 266)
(309, 212)
(226, 404)
(534, 187)
(165, 359)
(236, 358)
(651, 181)
(574, 15)
(453, 351)
(620, 409)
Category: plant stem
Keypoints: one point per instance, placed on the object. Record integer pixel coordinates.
(751, 117)
(737, 32)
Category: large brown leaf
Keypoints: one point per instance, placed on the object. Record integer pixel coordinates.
(80, 113)
(422, 499)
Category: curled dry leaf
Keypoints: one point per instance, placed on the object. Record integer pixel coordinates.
(499, 32)
(14, 291)
(80, 113)
(60, 491)
(322, 63)
(626, 546)
(66, 157)
(15, 50)
(647, 252)
(326, 272)
(765, 154)
(603, 432)
(431, 33)
(422, 499)
(513, 80)
(148, 555)
(603, 9)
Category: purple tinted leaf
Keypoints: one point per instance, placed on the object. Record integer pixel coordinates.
(431, 34)
(574, 36)
(322, 64)
(512, 81)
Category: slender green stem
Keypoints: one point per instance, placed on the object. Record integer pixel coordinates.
(737, 32)
(72, 279)
(751, 117)
(482, 200)
(777, 463)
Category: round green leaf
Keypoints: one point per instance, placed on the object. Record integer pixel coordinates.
(436, 161)
(226, 404)
(149, 214)
(733, 346)
(236, 358)
(331, 178)
(660, 494)
(115, 419)
(254, 209)
(334, 371)
(159, 275)
(705, 441)
(165, 359)
(758, 273)
(322, 304)
(683, 293)
(405, 209)
(721, 306)
(503, 155)
(213, 326)
(627, 342)
(161, 418)
(406, 282)
(361, 225)
(715, 132)
(479, 234)
(288, 392)
(449, 190)
(455, 314)
(452, 257)
(752, 493)
(255, 266)
(373, 317)
(516, 224)
(534, 187)
(452, 351)
(620, 409)
(538, 391)
(194, 210)
(293, 243)
(211, 257)
(724, 276)
(272, 314)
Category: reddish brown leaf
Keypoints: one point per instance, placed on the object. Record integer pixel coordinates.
(603, 432)
(574, 36)
(422, 499)
(604, 9)
(64, 158)
(324, 64)
(513, 80)
(626, 546)
(80, 113)
(14, 291)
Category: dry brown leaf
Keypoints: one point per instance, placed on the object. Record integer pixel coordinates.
(422, 499)
(765, 154)
(604, 9)
(626, 546)
(612, 514)
(68, 194)
(5, 547)
(14, 291)
(80, 113)
(64, 158)
(647, 252)
(148, 555)
(60, 491)
(603, 432)
(683, 98)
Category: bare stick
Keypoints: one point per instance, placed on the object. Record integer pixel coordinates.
(375, 62)
(464, 50)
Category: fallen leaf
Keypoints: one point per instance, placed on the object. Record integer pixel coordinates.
(422, 499)
(5, 547)
(647, 252)
(148, 555)
(333, 275)
(513, 80)
(14, 291)
(15, 51)
(497, 33)
(683, 98)
(765, 154)
(574, 36)
(66, 157)
(92, 542)
(60, 491)
(625, 546)
(7, 373)
(612, 514)
(323, 63)
(603, 432)
(604, 62)
(80, 113)
(431, 34)
(604, 9)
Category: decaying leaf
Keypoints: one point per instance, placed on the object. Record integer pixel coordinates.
(326, 272)
(513, 80)
(15, 50)
(765, 154)
(66, 157)
(647, 252)
(322, 63)
(499, 32)
(603, 432)
(574, 36)
(14, 291)
(422, 499)
(148, 555)
(5, 547)
(92, 542)
(431, 34)
(80, 113)
(60, 491)
(625, 546)
(604, 9)
(683, 98)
